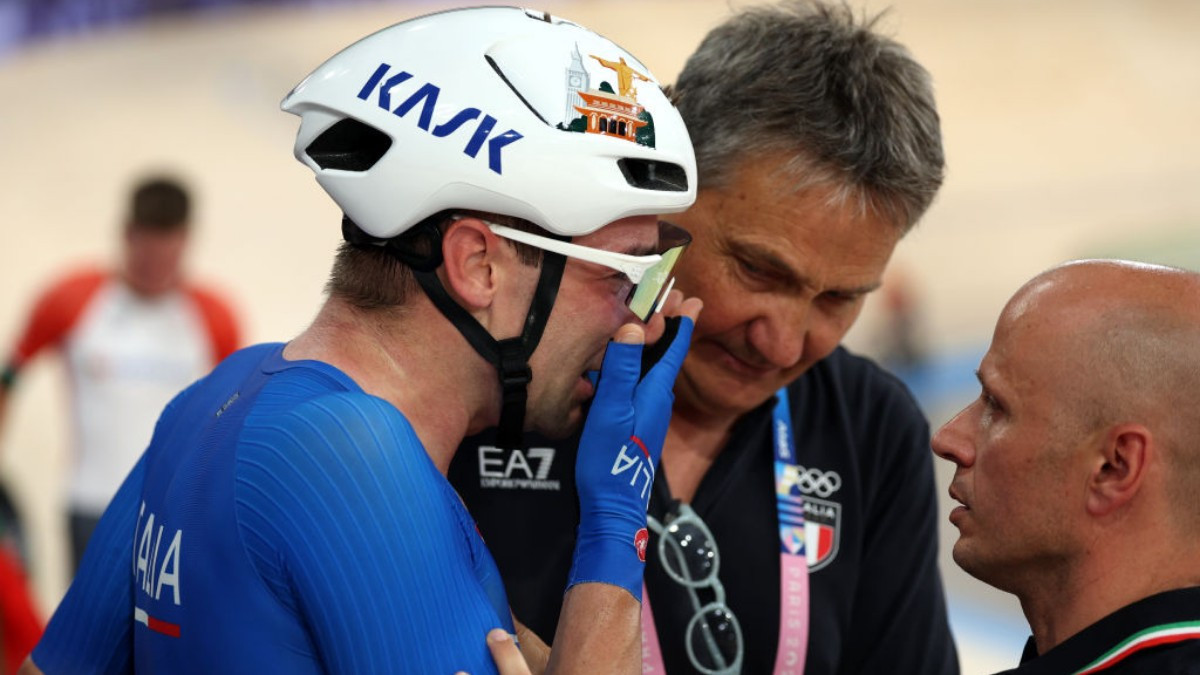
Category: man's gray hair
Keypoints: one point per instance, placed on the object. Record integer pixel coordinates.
(804, 80)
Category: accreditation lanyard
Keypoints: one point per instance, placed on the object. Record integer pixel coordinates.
(793, 562)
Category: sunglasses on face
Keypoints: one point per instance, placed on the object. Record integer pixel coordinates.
(649, 275)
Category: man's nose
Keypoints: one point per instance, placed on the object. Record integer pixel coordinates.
(953, 441)
(780, 332)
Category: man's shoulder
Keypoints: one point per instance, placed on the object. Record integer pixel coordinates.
(220, 320)
(257, 382)
(1169, 658)
(318, 394)
(1156, 634)
(67, 293)
(328, 415)
(57, 310)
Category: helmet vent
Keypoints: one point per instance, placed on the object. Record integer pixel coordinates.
(648, 174)
(349, 145)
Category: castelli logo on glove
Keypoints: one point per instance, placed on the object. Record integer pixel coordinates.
(641, 540)
(427, 96)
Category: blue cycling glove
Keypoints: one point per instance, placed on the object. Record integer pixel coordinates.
(618, 456)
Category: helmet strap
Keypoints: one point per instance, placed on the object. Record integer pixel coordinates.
(510, 356)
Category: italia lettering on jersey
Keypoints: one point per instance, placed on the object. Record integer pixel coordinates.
(157, 553)
(426, 96)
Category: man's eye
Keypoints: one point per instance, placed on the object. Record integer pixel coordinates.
(840, 298)
(989, 401)
(751, 270)
(619, 282)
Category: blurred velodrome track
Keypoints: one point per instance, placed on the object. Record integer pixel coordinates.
(1070, 130)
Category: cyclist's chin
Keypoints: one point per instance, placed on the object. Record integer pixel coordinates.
(560, 421)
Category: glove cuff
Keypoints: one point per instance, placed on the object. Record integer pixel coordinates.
(610, 558)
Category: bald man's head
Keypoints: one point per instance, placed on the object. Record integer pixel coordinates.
(1123, 342)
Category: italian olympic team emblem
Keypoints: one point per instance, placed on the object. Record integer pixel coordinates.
(821, 531)
(801, 490)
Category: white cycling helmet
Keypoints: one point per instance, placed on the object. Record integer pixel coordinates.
(494, 109)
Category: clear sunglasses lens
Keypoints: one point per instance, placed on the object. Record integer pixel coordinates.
(688, 554)
(715, 639)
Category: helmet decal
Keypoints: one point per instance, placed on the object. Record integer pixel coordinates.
(603, 110)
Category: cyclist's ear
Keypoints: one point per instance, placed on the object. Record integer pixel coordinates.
(476, 263)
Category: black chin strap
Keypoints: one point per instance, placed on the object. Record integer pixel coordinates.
(510, 356)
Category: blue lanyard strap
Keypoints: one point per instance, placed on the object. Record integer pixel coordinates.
(789, 501)
(785, 444)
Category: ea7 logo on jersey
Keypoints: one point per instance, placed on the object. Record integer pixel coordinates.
(516, 469)
(639, 464)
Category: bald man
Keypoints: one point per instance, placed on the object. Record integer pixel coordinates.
(1078, 468)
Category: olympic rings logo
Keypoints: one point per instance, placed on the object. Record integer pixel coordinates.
(812, 481)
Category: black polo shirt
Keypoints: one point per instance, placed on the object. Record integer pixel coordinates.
(1153, 636)
(877, 604)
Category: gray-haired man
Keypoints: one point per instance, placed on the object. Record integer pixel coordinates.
(818, 148)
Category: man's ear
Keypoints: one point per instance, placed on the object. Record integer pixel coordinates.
(1120, 469)
(469, 252)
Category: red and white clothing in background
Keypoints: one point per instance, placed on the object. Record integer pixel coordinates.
(126, 355)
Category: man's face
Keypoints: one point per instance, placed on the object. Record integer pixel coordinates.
(589, 309)
(1015, 449)
(153, 259)
(783, 277)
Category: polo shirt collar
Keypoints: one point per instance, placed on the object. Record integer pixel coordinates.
(1167, 617)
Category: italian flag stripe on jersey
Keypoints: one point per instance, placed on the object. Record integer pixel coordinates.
(1151, 637)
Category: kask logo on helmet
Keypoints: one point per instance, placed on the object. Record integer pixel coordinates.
(600, 110)
(426, 96)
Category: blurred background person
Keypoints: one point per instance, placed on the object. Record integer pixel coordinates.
(903, 346)
(131, 336)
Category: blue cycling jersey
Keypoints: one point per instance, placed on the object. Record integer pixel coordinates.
(286, 521)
